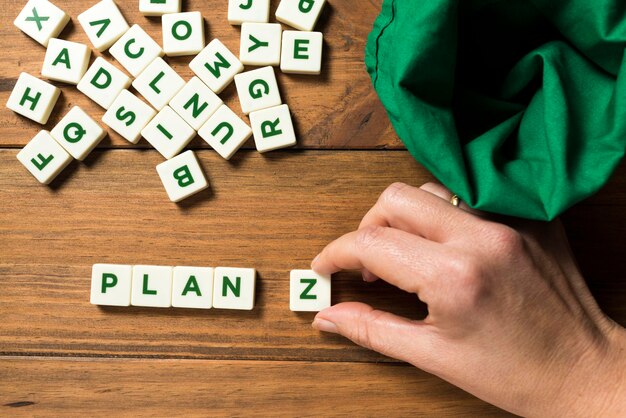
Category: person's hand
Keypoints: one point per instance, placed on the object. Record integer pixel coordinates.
(510, 318)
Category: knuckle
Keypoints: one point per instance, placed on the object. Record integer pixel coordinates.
(429, 187)
(471, 282)
(390, 196)
(505, 241)
(465, 270)
(369, 236)
(367, 331)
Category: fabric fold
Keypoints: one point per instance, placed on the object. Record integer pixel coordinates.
(517, 106)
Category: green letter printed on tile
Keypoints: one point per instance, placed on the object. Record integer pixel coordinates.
(129, 53)
(305, 293)
(27, 98)
(192, 286)
(147, 291)
(73, 132)
(104, 24)
(153, 83)
(183, 176)
(63, 58)
(215, 70)
(235, 289)
(109, 280)
(305, 6)
(256, 43)
(42, 162)
(229, 131)
(37, 19)
(300, 48)
(95, 81)
(188, 30)
(257, 88)
(197, 108)
(122, 114)
(269, 128)
(246, 6)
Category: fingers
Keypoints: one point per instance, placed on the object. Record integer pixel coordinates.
(442, 192)
(394, 208)
(380, 331)
(419, 212)
(400, 258)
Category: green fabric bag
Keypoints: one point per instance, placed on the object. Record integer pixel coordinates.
(517, 106)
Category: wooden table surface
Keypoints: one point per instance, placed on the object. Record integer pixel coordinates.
(61, 356)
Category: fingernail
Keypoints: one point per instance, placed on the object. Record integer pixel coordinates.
(368, 277)
(317, 257)
(325, 326)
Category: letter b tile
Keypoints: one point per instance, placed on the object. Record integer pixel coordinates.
(182, 176)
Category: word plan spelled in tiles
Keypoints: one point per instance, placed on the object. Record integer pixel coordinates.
(260, 44)
(195, 103)
(257, 89)
(272, 128)
(152, 286)
(158, 83)
(168, 133)
(183, 33)
(225, 132)
(159, 7)
(182, 176)
(234, 288)
(78, 133)
(65, 61)
(41, 20)
(103, 82)
(216, 66)
(111, 284)
(128, 115)
(192, 287)
(135, 50)
(44, 157)
(308, 291)
(240, 11)
(33, 98)
(300, 14)
(103, 23)
(301, 52)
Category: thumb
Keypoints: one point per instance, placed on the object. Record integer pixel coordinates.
(389, 334)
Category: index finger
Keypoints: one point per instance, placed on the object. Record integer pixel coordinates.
(398, 257)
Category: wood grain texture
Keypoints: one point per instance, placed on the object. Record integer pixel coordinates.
(272, 212)
(81, 387)
(65, 357)
(338, 109)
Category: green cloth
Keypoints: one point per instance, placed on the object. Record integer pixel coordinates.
(517, 106)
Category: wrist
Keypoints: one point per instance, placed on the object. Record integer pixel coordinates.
(616, 363)
(597, 386)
